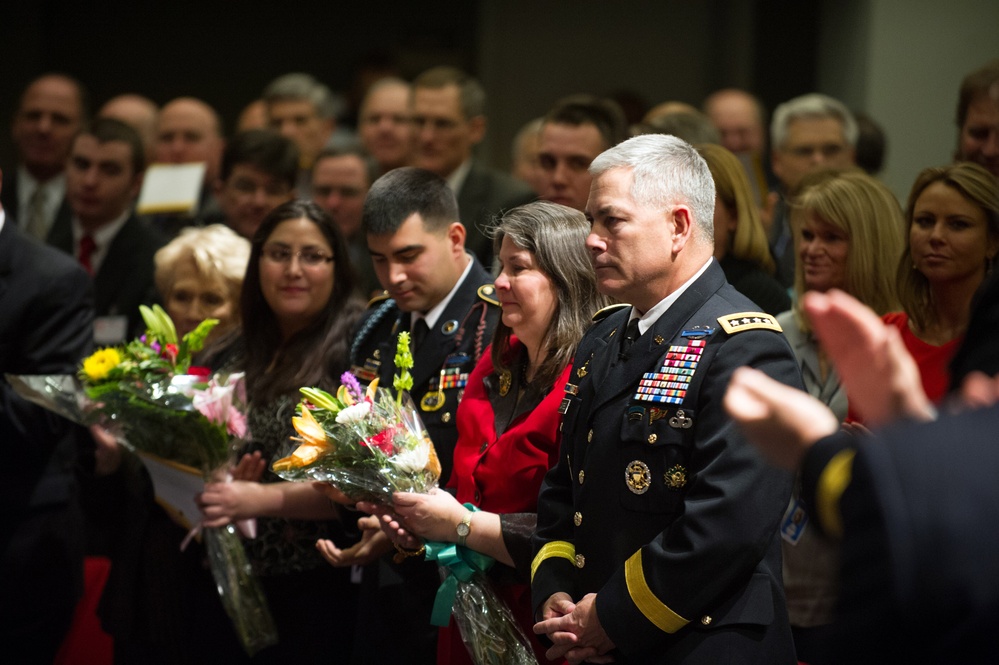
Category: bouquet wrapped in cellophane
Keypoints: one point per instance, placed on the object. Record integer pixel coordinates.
(370, 444)
(367, 443)
(180, 421)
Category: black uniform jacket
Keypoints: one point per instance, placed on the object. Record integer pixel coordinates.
(657, 503)
(444, 360)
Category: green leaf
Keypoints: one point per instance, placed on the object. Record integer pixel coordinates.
(322, 399)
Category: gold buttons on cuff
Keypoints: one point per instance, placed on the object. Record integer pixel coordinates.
(446, 418)
(580, 561)
(589, 436)
(706, 620)
(577, 519)
(581, 476)
(652, 438)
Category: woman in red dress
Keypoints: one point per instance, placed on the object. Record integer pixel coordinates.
(953, 238)
(508, 418)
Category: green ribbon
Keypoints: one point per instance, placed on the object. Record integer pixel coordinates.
(462, 564)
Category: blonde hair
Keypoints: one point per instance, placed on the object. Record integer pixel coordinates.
(749, 242)
(976, 185)
(217, 253)
(867, 212)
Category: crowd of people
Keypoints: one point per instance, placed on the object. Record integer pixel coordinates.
(576, 325)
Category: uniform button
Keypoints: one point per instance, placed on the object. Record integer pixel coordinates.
(652, 438)
(580, 561)
(589, 436)
(446, 418)
(581, 476)
(706, 620)
(577, 519)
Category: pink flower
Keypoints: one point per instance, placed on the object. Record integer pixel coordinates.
(216, 404)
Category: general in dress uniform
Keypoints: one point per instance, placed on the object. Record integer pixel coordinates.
(658, 505)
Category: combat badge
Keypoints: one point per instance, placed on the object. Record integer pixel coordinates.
(676, 477)
(681, 421)
(638, 477)
(582, 371)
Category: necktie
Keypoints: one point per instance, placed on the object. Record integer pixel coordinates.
(37, 227)
(87, 247)
(420, 331)
(630, 335)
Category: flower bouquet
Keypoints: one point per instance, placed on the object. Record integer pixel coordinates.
(174, 416)
(368, 443)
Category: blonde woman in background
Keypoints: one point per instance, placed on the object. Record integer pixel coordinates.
(849, 233)
(740, 241)
(199, 275)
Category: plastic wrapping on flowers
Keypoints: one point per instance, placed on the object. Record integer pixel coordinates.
(367, 445)
(182, 419)
(489, 631)
(241, 594)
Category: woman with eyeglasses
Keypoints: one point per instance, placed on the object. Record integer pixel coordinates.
(297, 314)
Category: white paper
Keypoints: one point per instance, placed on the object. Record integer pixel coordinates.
(176, 486)
(171, 189)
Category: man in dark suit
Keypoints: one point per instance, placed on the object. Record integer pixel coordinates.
(448, 117)
(657, 535)
(446, 299)
(46, 323)
(51, 112)
(103, 177)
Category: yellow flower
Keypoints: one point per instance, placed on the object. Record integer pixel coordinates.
(98, 365)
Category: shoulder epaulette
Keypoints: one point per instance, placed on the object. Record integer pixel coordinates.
(488, 293)
(604, 312)
(377, 299)
(742, 321)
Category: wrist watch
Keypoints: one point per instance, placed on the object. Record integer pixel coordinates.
(464, 527)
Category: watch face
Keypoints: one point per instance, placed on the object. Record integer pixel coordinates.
(463, 529)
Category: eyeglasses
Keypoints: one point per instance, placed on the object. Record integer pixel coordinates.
(308, 257)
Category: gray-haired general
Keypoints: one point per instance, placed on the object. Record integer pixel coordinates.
(657, 535)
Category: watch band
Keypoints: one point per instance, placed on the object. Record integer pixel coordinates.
(464, 528)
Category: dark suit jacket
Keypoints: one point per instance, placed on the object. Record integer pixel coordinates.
(46, 324)
(662, 508)
(9, 200)
(125, 278)
(486, 194)
(919, 578)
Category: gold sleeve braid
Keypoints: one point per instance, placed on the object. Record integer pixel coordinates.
(647, 603)
(557, 548)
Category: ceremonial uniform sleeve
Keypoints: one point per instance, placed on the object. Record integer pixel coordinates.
(553, 552)
(715, 563)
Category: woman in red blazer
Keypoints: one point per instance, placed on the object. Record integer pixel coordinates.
(508, 417)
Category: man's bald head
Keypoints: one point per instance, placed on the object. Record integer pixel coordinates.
(140, 113)
(189, 130)
(739, 116)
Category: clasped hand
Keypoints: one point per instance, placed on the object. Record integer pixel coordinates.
(574, 629)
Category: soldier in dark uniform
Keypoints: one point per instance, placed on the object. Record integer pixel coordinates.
(657, 535)
(446, 300)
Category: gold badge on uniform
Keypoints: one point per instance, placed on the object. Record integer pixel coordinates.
(638, 477)
(432, 401)
(656, 414)
(676, 477)
(582, 371)
(449, 327)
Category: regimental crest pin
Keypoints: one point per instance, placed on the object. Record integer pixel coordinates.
(676, 477)
(638, 477)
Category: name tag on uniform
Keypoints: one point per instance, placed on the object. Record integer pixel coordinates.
(794, 523)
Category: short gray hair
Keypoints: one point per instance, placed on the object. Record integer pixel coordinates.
(666, 171)
(305, 87)
(812, 106)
